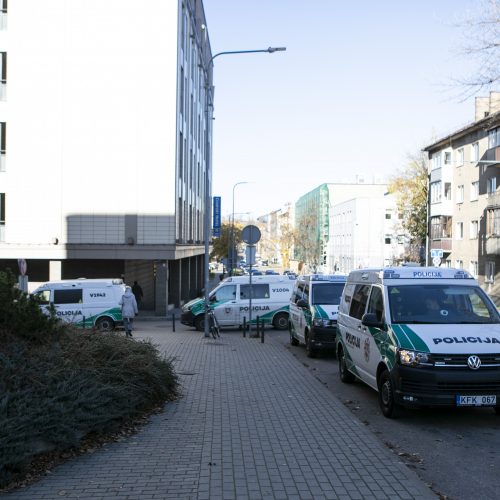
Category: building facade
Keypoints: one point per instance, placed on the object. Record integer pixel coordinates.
(366, 232)
(464, 196)
(104, 142)
(315, 225)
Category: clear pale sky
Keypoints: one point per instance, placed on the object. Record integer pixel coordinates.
(361, 85)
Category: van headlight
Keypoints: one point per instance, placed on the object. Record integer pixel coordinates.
(324, 322)
(414, 358)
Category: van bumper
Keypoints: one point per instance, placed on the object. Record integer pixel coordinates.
(187, 318)
(323, 338)
(416, 387)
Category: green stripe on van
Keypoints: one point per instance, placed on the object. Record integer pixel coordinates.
(408, 339)
(320, 312)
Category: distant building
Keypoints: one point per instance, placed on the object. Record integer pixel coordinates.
(366, 232)
(464, 196)
(276, 244)
(315, 225)
(103, 151)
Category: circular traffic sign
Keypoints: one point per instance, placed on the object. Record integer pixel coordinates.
(250, 234)
(436, 261)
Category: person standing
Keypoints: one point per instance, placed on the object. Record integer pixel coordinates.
(129, 310)
(137, 291)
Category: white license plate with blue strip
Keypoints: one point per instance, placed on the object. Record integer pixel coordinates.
(476, 400)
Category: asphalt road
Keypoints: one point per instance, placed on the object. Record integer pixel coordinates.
(455, 451)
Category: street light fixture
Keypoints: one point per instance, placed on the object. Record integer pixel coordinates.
(208, 197)
(230, 252)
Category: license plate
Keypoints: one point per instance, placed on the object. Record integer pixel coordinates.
(476, 400)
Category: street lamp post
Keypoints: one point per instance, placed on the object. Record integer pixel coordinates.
(208, 197)
(231, 241)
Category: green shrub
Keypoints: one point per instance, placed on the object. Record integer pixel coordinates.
(60, 384)
(21, 313)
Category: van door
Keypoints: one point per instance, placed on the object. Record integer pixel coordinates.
(372, 339)
(68, 304)
(225, 305)
(353, 335)
(297, 313)
(261, 302)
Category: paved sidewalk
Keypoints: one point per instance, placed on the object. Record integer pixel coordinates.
(252, 423)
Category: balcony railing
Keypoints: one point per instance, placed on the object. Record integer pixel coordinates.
(493, 200)
(442, 243)
(493, 245)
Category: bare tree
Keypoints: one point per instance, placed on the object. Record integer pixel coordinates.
(482, 44)
(409, 187)
(308, 244)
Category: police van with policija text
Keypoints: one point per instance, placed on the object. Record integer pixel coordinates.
(86, 303)
(421, 336)
(314, 306)
(230, 301)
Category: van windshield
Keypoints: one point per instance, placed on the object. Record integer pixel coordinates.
(327, 293)
(438, 303)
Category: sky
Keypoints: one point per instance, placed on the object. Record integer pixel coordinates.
(361, 86)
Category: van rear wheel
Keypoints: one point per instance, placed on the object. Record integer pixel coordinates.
(280, 321)
(104, 324)
(345, 375)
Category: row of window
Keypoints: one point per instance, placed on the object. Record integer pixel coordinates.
(437, 195)
(441, 228)
(445, 157)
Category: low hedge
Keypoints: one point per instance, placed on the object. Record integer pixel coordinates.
(57, 388)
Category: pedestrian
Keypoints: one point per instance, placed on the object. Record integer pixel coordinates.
(129, 310)
(137, 291)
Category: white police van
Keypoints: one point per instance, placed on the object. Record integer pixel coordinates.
(86, 303)
(314, 305)
(230, 301)
(421, 336)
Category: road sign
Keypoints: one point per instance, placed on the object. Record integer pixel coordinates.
(250, 234)
(216, 215)
(436, 261)
(250, 253)
(437, 252)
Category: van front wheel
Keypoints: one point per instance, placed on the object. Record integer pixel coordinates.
(280, 321)
(104, 324)
(199, 323)
(389, 407)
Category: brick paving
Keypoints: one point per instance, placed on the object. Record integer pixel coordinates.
(252, 423)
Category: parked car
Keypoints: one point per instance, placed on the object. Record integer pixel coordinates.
(271, 271)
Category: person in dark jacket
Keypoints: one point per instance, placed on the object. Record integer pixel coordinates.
(129, 310)
(137, 291)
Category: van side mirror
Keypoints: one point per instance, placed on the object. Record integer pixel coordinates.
(302, 303)
(370, 320)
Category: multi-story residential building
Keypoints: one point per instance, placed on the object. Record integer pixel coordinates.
(313, 220)
(366, 232)
(276, 244)
(104, 140)
(464, 201)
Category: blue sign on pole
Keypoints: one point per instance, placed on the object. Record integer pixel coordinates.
(216, 232)
(216, 216)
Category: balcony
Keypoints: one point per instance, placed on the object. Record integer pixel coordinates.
(493, 200)
(493, 245)
(443, 243)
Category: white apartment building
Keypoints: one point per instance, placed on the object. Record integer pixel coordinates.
(103, 142)
(366, 232)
